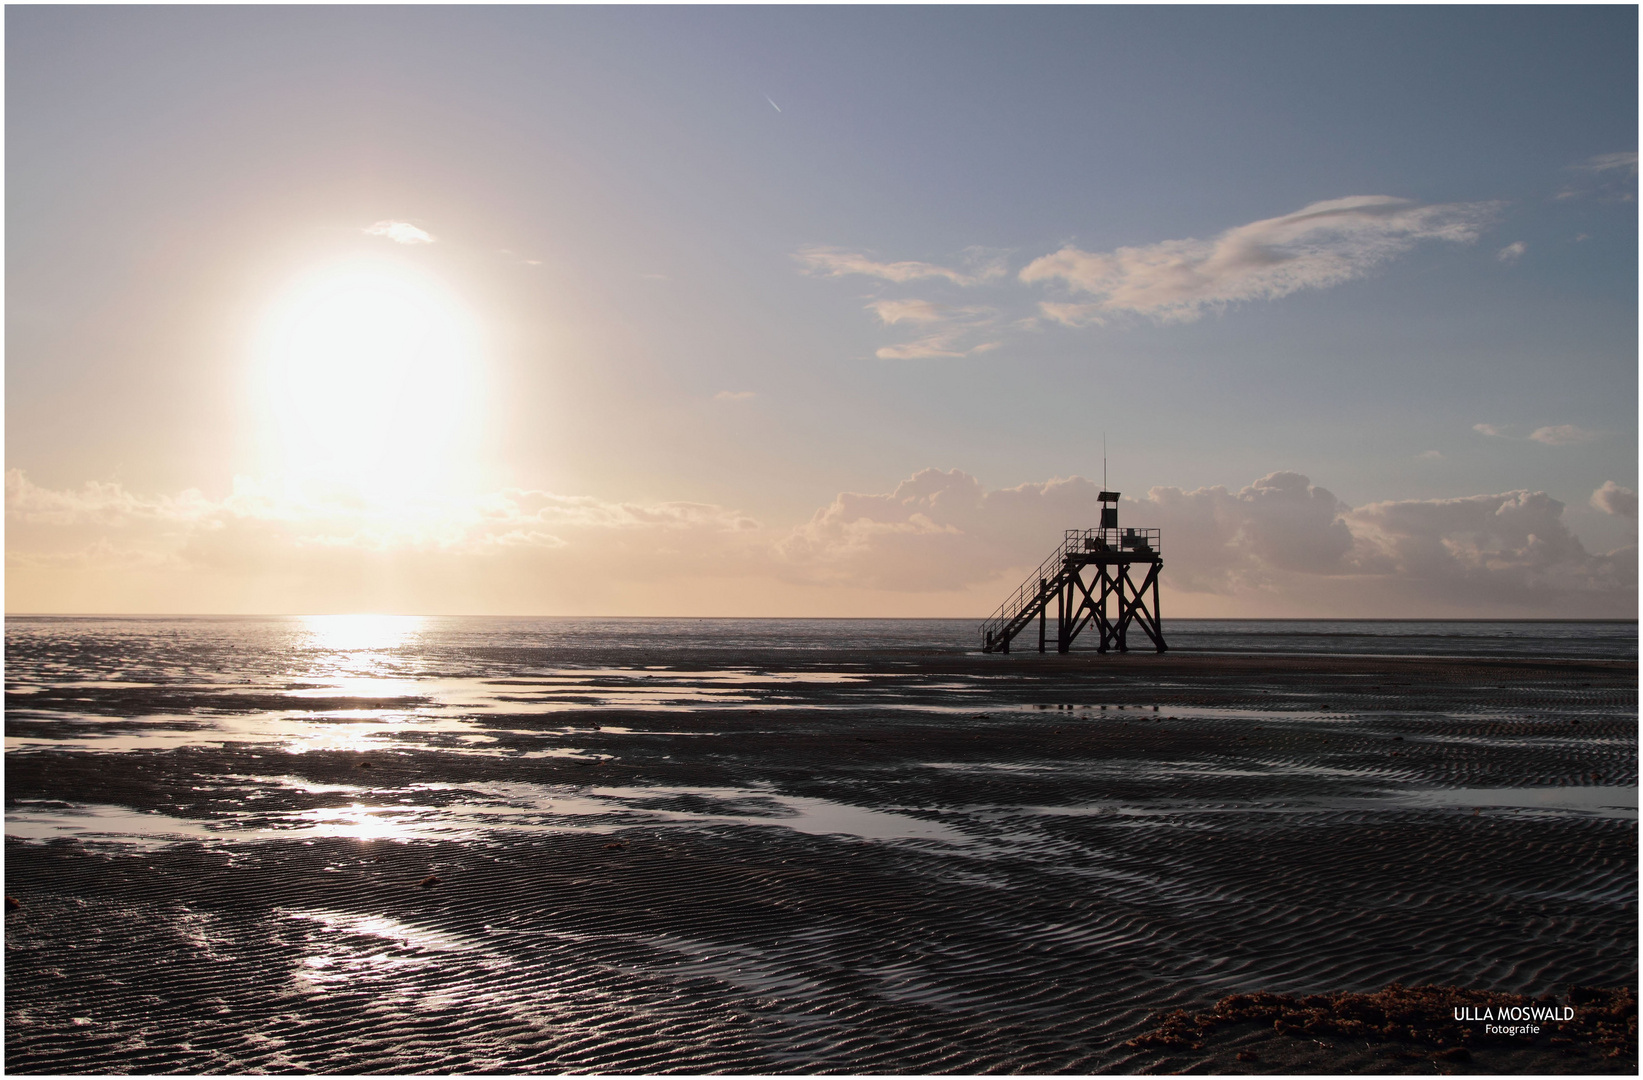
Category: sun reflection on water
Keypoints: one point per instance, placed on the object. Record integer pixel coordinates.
(361, 633)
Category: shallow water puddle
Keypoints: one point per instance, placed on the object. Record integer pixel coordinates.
(102, 823)
(467, 812)
(1612, 802)
(1616, 802)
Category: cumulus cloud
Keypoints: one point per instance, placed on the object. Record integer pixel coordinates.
(1492, 430)
(1279, 545)
(1486, 550)
(836, 262)
(1562, 435)
(257, 529)
(1512, 252)
(400, 232)
(1321, 245)
(734, 395)
(1615, 500)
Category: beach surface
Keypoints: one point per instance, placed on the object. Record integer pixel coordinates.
(242, 849)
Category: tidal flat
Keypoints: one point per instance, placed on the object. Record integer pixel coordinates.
(426, 848)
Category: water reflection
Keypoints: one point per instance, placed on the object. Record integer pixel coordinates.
(442, 811)
(357, 633)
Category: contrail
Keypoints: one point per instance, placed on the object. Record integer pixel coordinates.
(773, 105)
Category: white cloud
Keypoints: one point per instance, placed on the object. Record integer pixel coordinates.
(1562, 435)
(734, 395)
(948, 332)
(943, 345)
(400, 232)
(895, 311)
(1324, 244)
(1492, 430)
(1430, 455)
(937, 346)
(1510, 549)
(836, 262)
(1074, 315)
(1280, 545)
(456, 526)
(1604, 176)
(1615, 500)
(1512, 252)
(1610, 162)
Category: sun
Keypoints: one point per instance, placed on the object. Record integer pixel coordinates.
(369, 382)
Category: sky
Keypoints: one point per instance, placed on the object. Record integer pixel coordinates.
(819, 311)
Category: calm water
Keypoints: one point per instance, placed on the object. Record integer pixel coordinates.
(163, 649)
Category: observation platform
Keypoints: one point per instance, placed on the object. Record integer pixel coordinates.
(1091, 581)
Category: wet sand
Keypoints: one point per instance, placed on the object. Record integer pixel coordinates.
(910, 862)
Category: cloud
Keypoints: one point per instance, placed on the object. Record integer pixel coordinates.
(1512, 252)
(734, 395)
(1603, 176)
(400, 232)
(1430, 455)
(1279, 545)
(943, 345)
(1562, 435)
(1074, 315)
(943, 530)
(174, 526)
(1602, 163)
(1510, 549)
(949, 332)
(934, 347)
(1492, 430)
(1615, 500)
(1324, 244)
(895, 311)
(836, 262)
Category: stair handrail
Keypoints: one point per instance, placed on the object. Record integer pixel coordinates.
(1028, 592)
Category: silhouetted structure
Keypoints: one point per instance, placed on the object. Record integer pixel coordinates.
(1110, 552)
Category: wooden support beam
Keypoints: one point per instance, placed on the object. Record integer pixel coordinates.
(1043, 603)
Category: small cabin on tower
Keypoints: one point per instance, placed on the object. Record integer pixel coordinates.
(1091, 580)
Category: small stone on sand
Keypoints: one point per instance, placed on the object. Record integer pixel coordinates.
(430, 881)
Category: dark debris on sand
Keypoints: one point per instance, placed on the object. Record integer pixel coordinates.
(1398, 1029)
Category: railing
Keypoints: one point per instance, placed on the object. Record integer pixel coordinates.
(1139, 541)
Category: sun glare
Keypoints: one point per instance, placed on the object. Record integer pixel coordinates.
(370, 378)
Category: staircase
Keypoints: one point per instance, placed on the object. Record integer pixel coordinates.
(1111, 552)
(1026, 602)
